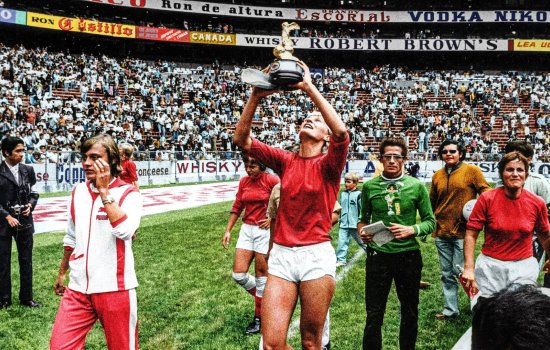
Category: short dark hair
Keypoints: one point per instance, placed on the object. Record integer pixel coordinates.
(521, 146)
(459, 146)
(250, 160)
(9, 144)
(111, 149)
(508, 157)
(517, 318)
(394, 141)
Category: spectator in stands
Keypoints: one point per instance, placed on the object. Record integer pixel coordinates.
(388, 90)
(29, 156)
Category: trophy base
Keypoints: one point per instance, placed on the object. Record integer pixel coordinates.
(285, 72)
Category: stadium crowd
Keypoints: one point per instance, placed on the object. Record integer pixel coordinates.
(166, 110)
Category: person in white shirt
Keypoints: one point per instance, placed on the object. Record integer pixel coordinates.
(102, 280)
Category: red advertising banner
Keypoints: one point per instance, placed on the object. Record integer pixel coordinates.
(162, 34)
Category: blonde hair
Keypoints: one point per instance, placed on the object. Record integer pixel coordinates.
(353, 176)
(127, 150)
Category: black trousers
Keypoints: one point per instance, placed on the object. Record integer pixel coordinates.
(24, 242)
(381, 269)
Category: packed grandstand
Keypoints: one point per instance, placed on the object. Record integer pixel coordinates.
(58, 86)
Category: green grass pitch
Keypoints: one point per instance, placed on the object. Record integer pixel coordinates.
(188, 300)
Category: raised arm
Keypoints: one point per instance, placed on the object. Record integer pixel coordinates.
(332, 119)
(241, 138)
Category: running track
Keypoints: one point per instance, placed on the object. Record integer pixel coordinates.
(51, 213)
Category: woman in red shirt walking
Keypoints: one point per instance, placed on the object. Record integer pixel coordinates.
(253, 243)
(508, 215)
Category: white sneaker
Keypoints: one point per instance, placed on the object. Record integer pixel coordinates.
(340, 264)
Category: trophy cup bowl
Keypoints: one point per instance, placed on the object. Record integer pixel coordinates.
(283, 71)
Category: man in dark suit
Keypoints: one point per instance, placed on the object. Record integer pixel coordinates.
(17, 201)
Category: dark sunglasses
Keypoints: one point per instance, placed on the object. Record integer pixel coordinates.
(451, 151)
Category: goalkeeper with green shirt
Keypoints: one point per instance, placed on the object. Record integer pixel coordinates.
(394, 198)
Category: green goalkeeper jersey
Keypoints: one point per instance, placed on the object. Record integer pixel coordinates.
(397, 201)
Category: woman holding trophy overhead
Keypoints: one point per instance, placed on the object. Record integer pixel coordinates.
(302, 262)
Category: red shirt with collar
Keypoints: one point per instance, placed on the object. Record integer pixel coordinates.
(508, 223)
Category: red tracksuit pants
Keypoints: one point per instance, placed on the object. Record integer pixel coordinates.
(78, 312)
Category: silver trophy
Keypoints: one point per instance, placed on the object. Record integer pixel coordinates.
(284, 71)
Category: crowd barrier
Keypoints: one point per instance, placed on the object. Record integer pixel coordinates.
(56, 177)
(62, 176)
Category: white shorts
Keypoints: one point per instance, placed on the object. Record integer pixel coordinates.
(253, 238)
(305, 263)
(493, 275)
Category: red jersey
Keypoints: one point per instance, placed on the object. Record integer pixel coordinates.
(509, 223)
(253, 197)
(128, 173)
(309, 189)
